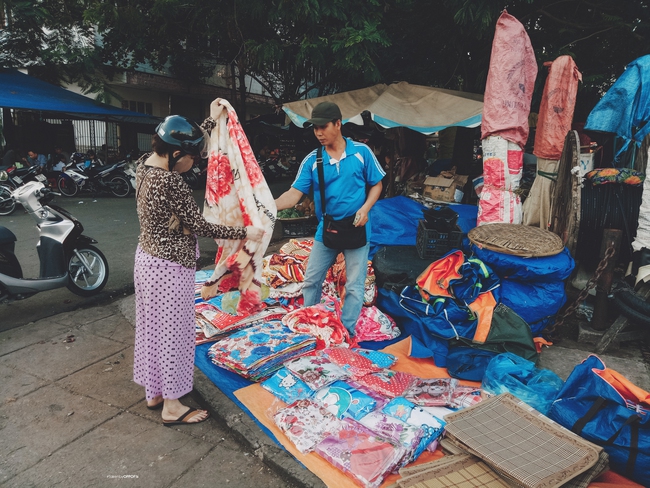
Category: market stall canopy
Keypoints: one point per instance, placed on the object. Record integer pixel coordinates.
(420, 108)
(24, 92)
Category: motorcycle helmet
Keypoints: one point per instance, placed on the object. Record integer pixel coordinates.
(184, 134)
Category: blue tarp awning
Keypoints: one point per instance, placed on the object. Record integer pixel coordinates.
(24, 92)
(625, 108)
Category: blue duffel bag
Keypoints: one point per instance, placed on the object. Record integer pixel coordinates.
(607, 409)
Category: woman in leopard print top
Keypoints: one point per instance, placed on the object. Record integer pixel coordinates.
(165, 266)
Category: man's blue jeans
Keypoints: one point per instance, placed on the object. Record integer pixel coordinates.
(356, 268)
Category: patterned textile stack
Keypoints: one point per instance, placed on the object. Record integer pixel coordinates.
(364, 418)
(284, 271)
(218, 317)
(259, 351)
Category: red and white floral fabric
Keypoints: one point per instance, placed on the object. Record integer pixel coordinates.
(237, 195)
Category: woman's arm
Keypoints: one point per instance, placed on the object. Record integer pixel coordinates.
(185, 208)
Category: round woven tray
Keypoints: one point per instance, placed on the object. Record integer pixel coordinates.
(516, 239)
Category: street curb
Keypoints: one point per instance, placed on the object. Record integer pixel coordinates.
(249, 433)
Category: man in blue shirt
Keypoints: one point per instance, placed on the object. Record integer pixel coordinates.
(34, 158)
(352, 186)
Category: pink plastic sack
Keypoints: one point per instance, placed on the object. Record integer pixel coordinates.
(510, 82)
(556, 109)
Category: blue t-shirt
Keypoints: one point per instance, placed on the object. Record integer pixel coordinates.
(346, 181)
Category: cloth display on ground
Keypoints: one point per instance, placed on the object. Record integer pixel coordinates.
(284, 271)
(323, 321)
(237, 195)
(258, 351)
(258, 401)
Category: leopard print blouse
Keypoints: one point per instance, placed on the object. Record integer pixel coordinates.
(162, 195)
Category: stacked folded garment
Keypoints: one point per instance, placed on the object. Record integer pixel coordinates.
(259, 351)
(215, 323)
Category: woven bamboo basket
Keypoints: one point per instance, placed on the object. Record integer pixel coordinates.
(516, 239)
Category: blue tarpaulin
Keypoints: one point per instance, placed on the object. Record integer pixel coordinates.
(395, 221)
(24, 92)
(625, 108)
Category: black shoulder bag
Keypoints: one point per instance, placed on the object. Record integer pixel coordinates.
(338, 234)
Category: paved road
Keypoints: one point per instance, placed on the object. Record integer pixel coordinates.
(113, 223)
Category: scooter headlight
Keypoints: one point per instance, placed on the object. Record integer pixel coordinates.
(3, 175)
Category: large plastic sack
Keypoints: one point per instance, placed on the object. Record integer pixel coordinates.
(510, 82)
(536, 303)
(509, 373)
(499, 206)
(604, 407)
(556, 108)
(546, 268)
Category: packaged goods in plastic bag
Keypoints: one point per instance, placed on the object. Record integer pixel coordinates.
(509, 373)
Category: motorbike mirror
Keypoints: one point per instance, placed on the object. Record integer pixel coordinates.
(3, 175)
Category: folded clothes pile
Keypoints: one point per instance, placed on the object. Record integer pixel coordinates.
(259, 351)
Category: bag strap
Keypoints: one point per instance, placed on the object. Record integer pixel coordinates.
(321, 178)
(596, 407)
(633, 421)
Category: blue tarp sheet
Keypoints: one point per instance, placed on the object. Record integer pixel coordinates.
(395, 221)
(24, 92)
(626, 105)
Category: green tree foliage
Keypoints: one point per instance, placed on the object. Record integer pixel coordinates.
(313, 47)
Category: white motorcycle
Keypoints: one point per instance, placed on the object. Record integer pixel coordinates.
(67, 257)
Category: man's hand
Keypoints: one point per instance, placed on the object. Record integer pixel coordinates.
(361, 218)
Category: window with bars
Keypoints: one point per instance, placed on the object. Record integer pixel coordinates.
(135, 106)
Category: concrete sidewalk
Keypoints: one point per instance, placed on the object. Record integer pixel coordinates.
(71, 414)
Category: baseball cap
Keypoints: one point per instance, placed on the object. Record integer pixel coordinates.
(323, 113)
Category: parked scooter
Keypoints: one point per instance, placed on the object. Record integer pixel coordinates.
(12, 179)
(67, 257)
(79, 175)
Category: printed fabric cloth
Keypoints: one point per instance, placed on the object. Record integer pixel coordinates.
(317, 371)
(287, 387)
(625, 176)
(431, 392)
(465, 396)
(354, 363)
(306, 423)
(388, 382)
(408, 436)
(432, 427)
(259, 351)
(360, 453)
(341, 400)
(381, 359)
(323, 321)
(284, 271)
(375, 325)
(237, 195)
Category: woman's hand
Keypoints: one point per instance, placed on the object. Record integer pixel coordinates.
(216, 108)
(254, 234)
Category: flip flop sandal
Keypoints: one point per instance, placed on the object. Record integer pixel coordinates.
(183, 419)
(157, 406)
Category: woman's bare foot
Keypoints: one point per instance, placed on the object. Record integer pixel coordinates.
(174, 412)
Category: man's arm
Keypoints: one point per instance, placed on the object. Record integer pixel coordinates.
(289, 198)
(373, 195)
